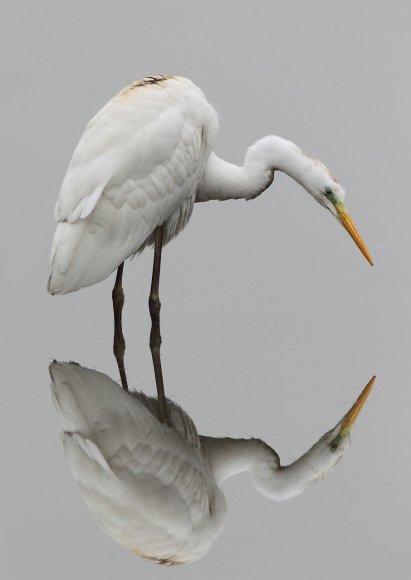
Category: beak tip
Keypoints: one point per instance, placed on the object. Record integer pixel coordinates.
(351, 416)
(367, 255)
(347, 223)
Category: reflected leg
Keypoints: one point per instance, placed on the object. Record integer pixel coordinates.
(119, 345)
(155, 336)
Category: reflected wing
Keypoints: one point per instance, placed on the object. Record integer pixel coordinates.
(146, 484)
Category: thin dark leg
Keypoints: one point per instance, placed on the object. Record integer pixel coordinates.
(155, 336)
(119, 344)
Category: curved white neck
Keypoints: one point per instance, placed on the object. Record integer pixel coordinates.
(227, 457)
(223, 180)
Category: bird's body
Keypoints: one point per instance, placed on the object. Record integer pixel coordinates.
(156, 487)
(143, 161)
(146, 482)
(138, 165)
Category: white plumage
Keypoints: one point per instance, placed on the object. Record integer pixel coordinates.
(137, 165)
(146, 482)
(143, 161)
(156, 487)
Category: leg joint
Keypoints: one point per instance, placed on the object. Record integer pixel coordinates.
(118, 297)
(154, 303)
(155, 342)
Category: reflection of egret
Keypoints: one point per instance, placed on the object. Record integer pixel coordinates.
(155, 487)
(140, 165)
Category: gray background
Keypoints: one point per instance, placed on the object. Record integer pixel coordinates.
(272, 319)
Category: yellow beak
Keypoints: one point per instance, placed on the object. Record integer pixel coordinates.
(345, 219)
(350, 417)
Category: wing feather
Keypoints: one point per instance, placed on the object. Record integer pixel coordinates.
(146, 483)
(107, 428)
(138, 164)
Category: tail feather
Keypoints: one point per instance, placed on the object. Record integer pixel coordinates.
(76, 261)
(86, 251)
(76, 393)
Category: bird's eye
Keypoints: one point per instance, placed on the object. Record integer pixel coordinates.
(333, 447)
(328, 192)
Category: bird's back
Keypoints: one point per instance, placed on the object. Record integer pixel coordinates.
(137, 165)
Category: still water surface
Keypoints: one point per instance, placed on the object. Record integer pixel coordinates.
(272, 321)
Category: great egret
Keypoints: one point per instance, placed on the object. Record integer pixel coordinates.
(140, 165)
(156, 487)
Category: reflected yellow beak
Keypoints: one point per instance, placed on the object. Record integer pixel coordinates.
(345, 219)
(350, 417)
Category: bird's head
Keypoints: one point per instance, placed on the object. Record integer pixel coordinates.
(335, 442)
(283, 482)
(331, 195)
(273, 153)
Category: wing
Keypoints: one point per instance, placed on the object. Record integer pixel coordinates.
(148, 487)
(137, 165)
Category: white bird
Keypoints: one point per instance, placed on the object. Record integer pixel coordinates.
(139, 167)
(156, 487)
